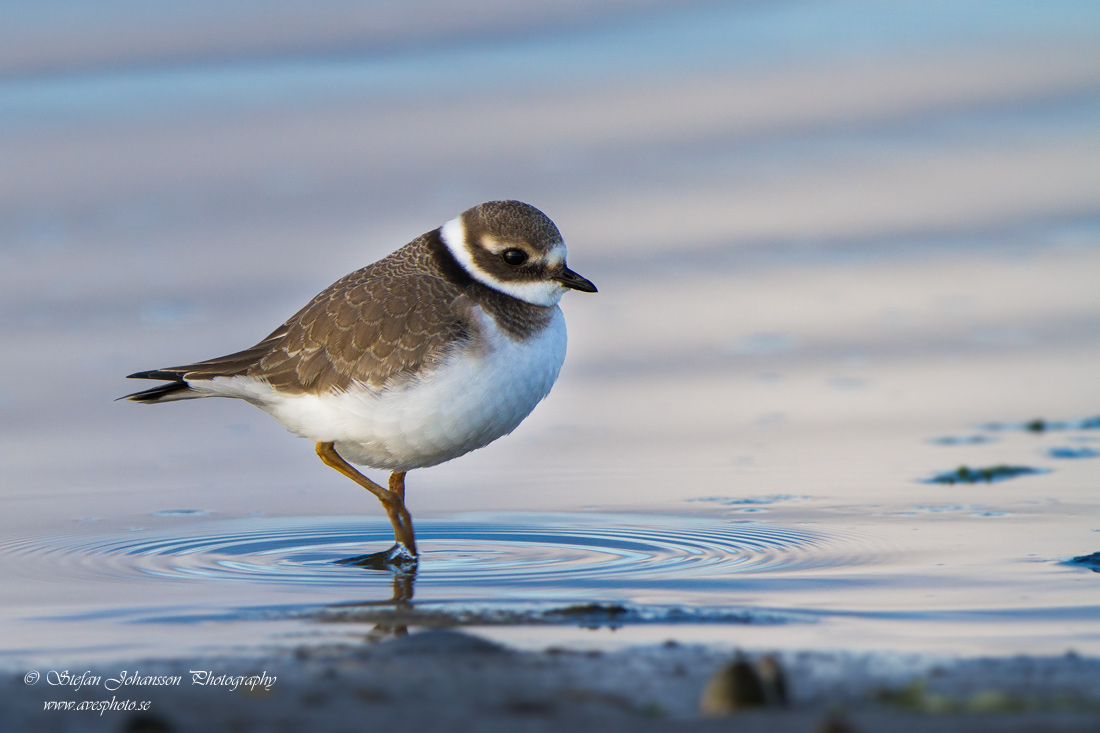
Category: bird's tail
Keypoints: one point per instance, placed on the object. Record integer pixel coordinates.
(179, 377)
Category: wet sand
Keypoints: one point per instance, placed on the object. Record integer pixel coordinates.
(454, 681)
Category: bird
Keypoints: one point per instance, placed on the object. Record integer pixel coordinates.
(429, 353)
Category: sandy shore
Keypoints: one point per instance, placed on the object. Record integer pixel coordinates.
(456, 681)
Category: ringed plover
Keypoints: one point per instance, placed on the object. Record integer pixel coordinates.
(432, 352)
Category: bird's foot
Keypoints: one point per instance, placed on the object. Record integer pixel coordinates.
(398, 558)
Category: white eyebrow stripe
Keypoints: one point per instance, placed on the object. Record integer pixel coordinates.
(494, 245)
(556, 256)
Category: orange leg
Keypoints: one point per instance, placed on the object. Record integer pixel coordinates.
(393, 499)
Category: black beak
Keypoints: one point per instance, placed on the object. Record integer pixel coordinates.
(570, 279)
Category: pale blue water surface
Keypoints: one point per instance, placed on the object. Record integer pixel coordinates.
(841, 247)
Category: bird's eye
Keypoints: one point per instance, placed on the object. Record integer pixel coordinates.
(514, 257)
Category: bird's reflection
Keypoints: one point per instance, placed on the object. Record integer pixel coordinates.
(404, 581)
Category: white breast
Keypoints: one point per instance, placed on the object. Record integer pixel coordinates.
(478, 395)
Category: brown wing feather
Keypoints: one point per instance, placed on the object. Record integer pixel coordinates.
(386, 321)
(230, 364)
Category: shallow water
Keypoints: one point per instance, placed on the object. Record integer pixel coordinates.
(563, 552)
(842, 249)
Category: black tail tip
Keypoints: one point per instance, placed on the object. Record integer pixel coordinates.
(169, 376)
(158, 393)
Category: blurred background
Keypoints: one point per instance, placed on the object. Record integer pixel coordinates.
(824, 233)
(744, 180)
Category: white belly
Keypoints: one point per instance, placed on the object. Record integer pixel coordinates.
(466, 403)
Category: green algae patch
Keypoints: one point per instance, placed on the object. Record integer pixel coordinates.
(917, 697)
(1092, 562)
(987, 475)
(1041, 425)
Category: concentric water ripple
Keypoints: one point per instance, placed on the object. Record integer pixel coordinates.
(575, 550)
